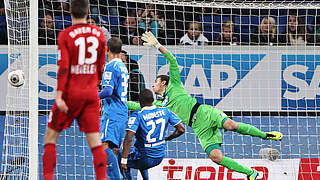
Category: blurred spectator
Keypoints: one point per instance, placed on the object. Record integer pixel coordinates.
(151, 20)
(227, 36)
(194, 35)
(136, 80)
(2, 11)
(295, 33)
(211, 11)
(94, 21)
(64, 5)
(130, 33)
(47, 34)
(266, 34)
(45, 5)
(61, 7)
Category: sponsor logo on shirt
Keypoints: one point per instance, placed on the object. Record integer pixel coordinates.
(107, 75)
(131, 121)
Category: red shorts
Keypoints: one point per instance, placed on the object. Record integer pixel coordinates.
(86, 112)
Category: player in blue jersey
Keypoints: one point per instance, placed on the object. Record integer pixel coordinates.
(115, 109)
(149, 125)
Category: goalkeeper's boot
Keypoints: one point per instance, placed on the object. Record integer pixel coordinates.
(274, 135)
(254, 175)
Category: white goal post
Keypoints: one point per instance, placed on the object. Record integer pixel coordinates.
(20, 142)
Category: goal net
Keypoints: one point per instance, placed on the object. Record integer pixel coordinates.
(19, 126)
(256, 61)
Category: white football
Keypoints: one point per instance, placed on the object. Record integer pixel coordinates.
(16, 78)
(269, 153)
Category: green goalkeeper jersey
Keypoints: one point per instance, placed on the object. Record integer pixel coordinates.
(175, 97)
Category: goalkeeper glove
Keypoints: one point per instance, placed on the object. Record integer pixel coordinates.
(150, 40)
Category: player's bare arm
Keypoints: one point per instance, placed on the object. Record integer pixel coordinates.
(126, 148)
(178, 132)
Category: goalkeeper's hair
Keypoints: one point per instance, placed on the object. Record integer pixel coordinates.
(146, 98)
(164, 78)
(79, 8)
(114, 45)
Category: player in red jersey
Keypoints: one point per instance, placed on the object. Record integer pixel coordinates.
(81, 59)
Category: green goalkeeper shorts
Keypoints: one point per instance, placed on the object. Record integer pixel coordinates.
(207, 124)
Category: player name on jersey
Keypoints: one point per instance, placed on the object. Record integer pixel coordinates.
(153, 115)
(83, 69)
(84, 30)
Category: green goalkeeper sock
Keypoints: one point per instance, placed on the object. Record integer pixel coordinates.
(234, 166)
(247, 129)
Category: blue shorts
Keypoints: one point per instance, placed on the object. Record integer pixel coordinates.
(137, 160)
(111, 130)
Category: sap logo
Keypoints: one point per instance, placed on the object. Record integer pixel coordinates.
(47, 80)
(304, 88)
(4, 61)
(135, 57)
(300, 82)
(210, 77)
(14, 57)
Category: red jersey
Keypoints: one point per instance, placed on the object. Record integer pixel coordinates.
(81, 59)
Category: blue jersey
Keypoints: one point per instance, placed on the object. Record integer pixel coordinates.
(115, 74)
(150, 126)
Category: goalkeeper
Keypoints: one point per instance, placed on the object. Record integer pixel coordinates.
(205, 120)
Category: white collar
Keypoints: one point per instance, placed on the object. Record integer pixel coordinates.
(149, 107)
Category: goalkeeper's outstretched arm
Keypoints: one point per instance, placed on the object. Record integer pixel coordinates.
(151, 40)
(163, 50)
